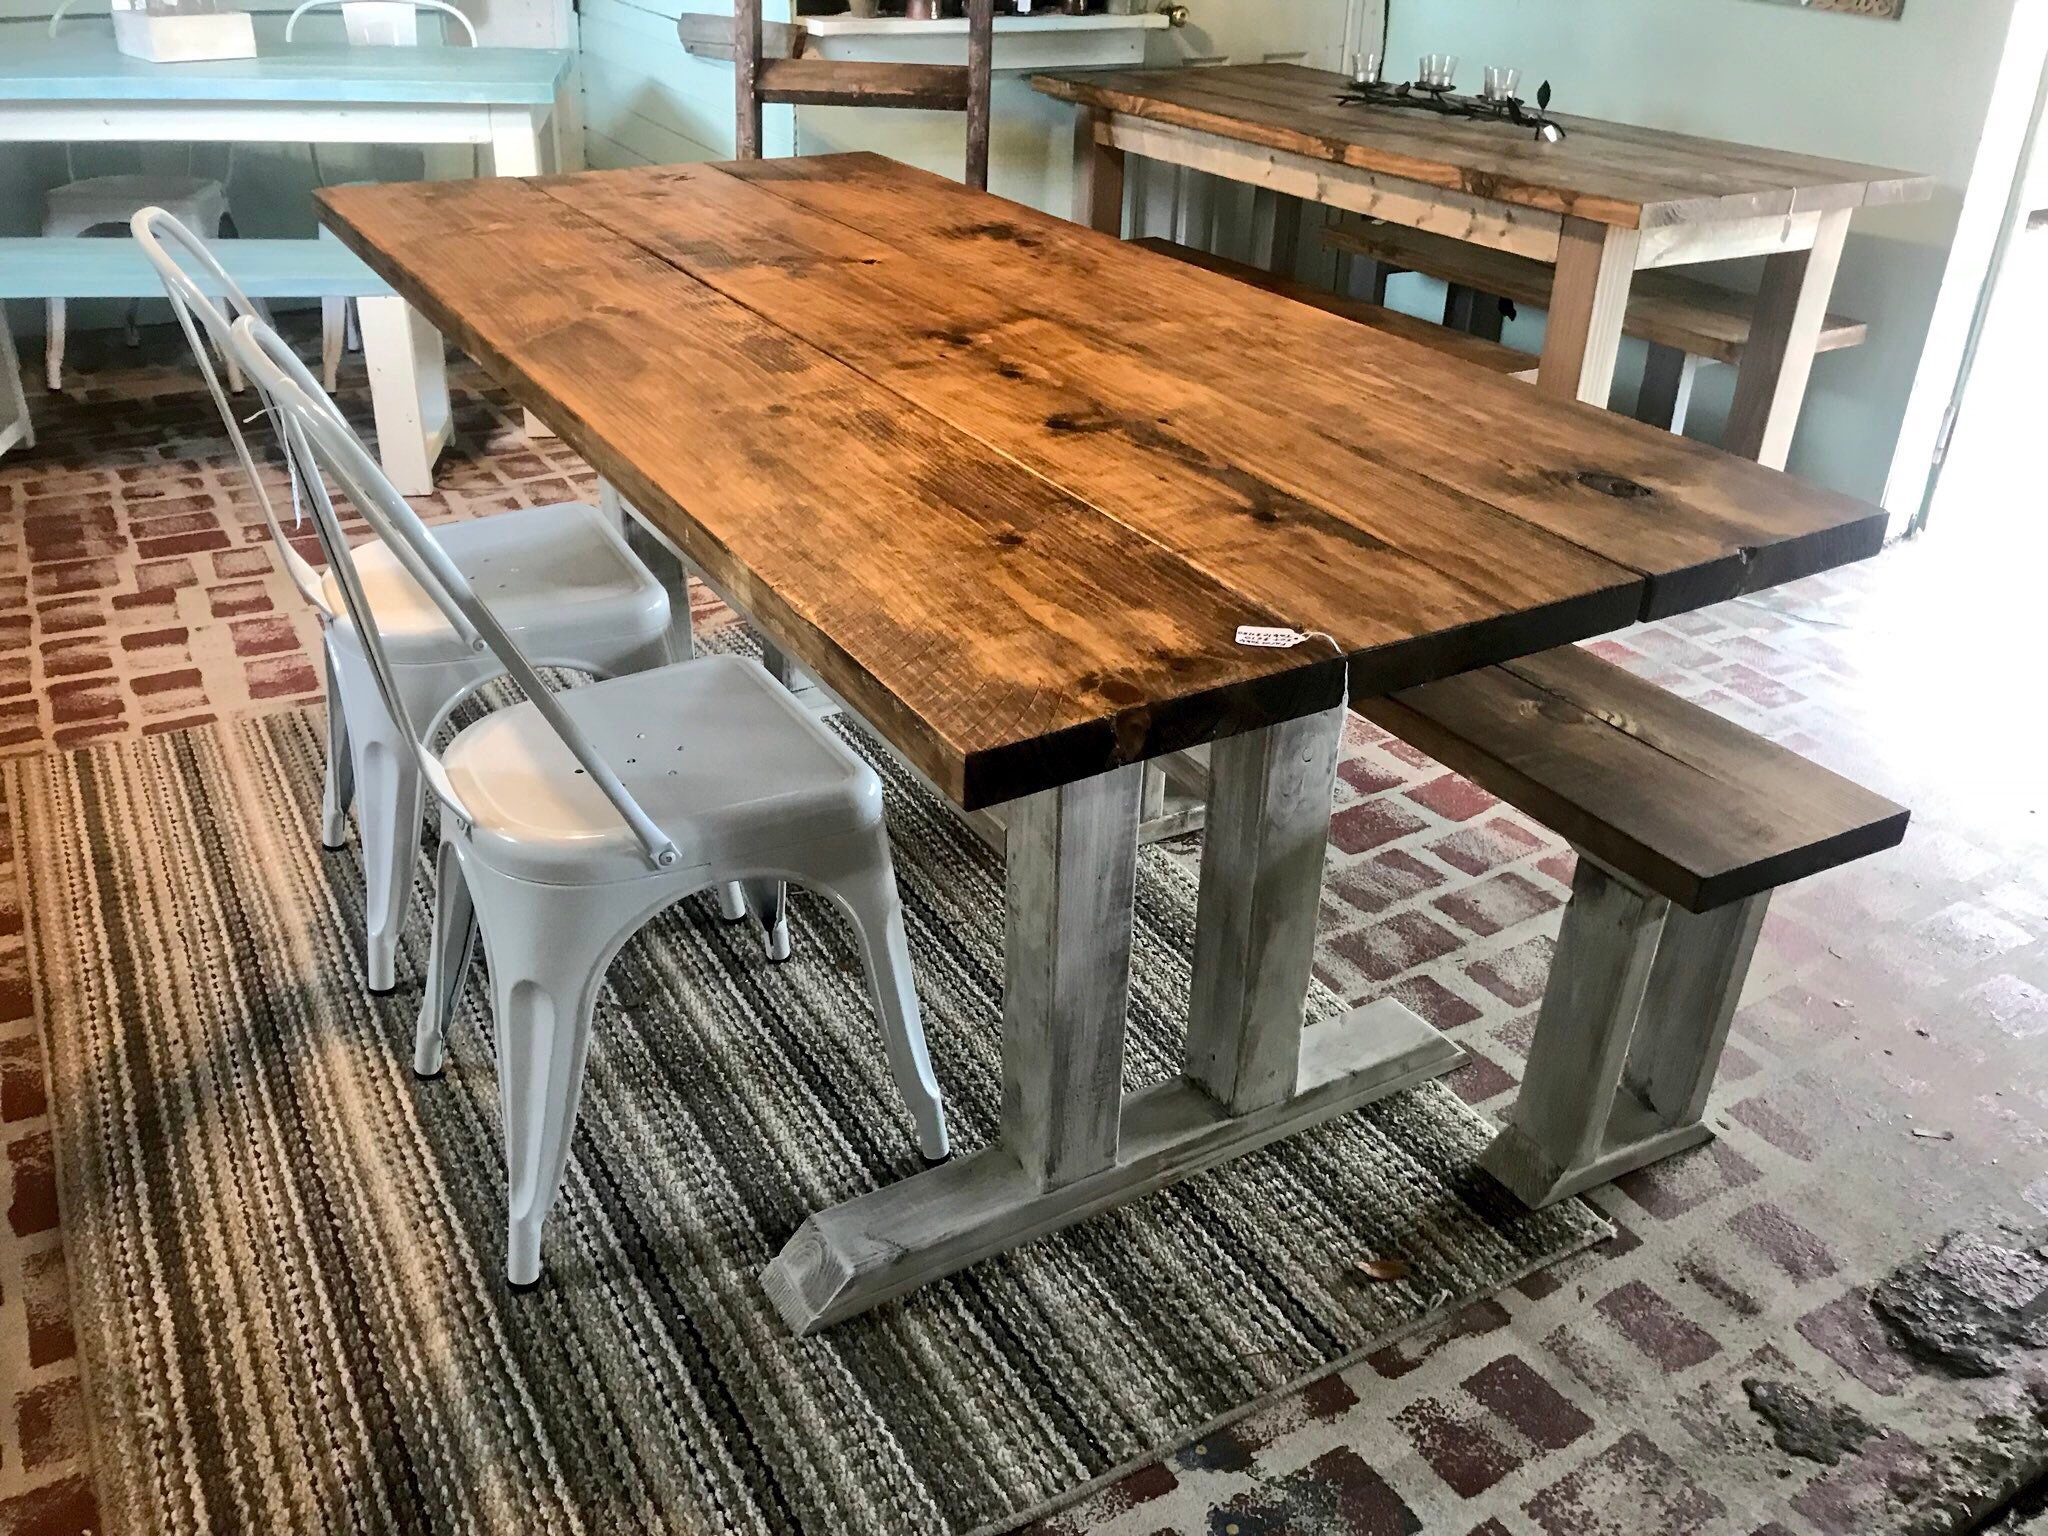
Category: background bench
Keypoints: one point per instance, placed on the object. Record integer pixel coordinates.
(1684, 824)
(1480, 350)
(405, 356)
(1685, 321)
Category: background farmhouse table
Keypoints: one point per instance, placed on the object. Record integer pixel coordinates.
(1605, 202)
(1008, 487)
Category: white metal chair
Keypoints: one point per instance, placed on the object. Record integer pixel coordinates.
(572, 819)
(367, 24)
(560, 576)
(84, 204)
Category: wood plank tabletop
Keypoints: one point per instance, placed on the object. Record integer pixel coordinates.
(1610, 173)
(1009, 486)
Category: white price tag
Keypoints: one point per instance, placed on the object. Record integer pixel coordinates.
(1269, 636)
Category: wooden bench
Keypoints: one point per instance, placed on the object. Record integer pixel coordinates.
(405, 357)
(1685, 321)
(1455, 343)
(1684, 824)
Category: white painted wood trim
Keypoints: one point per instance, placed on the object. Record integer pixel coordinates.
(1675, 245)
(251, 122)
(1502, 226)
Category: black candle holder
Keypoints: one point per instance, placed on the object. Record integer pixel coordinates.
(1445, 102)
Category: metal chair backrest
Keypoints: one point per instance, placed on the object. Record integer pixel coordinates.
(749, 93)
(381, 23)
(187, 276)
(324, 445)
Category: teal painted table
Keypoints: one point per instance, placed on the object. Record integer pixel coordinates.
(78, 87)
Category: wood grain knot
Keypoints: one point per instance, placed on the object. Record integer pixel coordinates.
(1618, 486)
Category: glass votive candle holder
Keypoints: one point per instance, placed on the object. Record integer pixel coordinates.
(1501, 82)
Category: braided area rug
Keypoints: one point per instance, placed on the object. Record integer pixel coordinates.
(285, 1252)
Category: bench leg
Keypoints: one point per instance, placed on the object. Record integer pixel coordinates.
(16, 430)
(408, 369)
(1469, 310)
(1665, 395)
(1695, 985)
(1628, 1038)
(1276, 231)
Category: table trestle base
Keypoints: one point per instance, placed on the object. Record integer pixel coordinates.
(864, 1251)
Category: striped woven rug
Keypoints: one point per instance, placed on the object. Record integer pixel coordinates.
(285, 1252)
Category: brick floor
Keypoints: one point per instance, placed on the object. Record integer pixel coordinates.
(137, 593)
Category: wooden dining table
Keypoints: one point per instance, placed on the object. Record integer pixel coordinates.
(1009, 488)
(1602, 203)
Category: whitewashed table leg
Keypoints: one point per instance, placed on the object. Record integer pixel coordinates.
(408, 368)
(1072, 1144)
(1596, 265)
(1784, 333)
(1255, 927)
(1071, 869)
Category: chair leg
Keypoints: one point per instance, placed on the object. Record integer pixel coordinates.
(448, 960)
(547, 959)
(732, 901)
(53, 344)
(869, 895)
(390, 824)
(768, 901)
(338, 792)
(333, 338)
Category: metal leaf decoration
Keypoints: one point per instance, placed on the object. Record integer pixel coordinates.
(1543, 97)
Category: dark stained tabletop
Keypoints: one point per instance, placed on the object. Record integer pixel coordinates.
(1009, 486)
(1610, 173)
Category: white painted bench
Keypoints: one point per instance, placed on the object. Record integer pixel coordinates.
(408, 371)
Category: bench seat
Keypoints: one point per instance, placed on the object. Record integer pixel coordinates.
(1490, 355)
(408, 382)
(89, 267)
(1665, 307)
(1684, 824)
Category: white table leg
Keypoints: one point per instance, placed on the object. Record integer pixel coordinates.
(1588, 301)
(408, 369)
(1072, 1143)
(16, 430)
